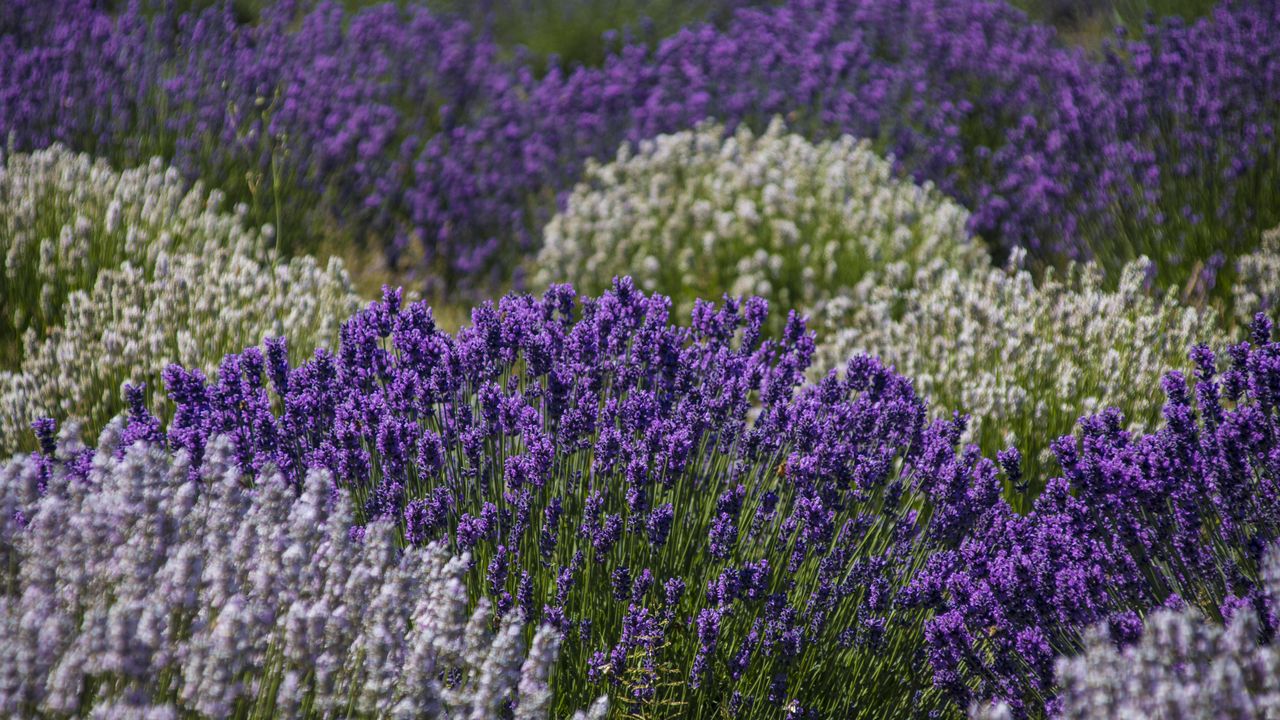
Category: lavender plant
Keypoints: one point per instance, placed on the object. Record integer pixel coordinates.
(1183, 666)
(1024, 358)
(312, 116)
(1136, 522)
(113, 276)
(1203, 95)
(1052, 152)
(697, 214)
(708, 538)
(1257, 283)
(65, 217)
(963, 108)
(135, 585)
(1168, 143)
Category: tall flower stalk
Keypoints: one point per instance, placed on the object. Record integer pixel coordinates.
(708, 536)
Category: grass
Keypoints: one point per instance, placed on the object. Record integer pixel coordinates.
(582, 32)
(1088, 23)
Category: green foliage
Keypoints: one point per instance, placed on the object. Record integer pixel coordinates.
(1090, 21)
(579, 32)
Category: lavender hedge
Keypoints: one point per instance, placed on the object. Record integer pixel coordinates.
(1180, 516)
(708, 535)
(1052, 152)
(1201, 100)
(416, 135)
(132, 586)
(310, 103)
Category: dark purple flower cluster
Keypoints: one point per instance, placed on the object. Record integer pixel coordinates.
(967, 94)
(1200, 101)
(1182, 515)
(699, 523)
(337, 104)
(408, 126)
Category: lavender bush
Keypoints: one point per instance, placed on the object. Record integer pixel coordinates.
(1183, 666)
(438, 145)
(1051, 151)
(709, 537)
(1181, 515)
(111, 276)
(310, 116)
(133, 585)
(1200, 98)
(66, 217)
(1025, 358)
(1257, 283)
(967, 95)
(695, 214)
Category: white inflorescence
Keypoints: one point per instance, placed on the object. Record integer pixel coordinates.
(1257, 284)
(1025, 359)
(697, 214)
(129, 273)
(145, 592)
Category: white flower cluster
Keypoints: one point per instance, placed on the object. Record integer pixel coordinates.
(65, 217)
(1184, 666)
(145, 592)
(697, 214)
(1025, 359)
(125, 273)
(1257, 284)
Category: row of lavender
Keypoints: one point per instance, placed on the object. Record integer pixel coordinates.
(419, 135)
(707, 532)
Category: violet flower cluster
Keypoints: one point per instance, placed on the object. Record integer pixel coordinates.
(133, 585)
(1179, 516)
(314, 98)
(1200, 100)
(1183, 666)
(706, 533)
(408, 126)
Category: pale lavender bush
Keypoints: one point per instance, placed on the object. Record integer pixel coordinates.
(131, 586)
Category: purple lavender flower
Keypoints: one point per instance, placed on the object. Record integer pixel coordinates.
(406, 124)
(1181, 515)
(544, 413)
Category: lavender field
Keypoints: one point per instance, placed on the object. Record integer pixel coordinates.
(640, 359)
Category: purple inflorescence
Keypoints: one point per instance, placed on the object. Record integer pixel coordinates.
(1136, 523)
(527, 438)
(409, 125)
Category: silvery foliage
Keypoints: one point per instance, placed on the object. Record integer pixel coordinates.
(129, 272)
(1257, 283)
(696, 214)
(146, 592)
(1183, 666)
(1026, 359)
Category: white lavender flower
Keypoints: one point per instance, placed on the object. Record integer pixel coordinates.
(697, 214)
(1026, 360)
(535, 676)
(138, 591)
(109, 277)
(1257, 283)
